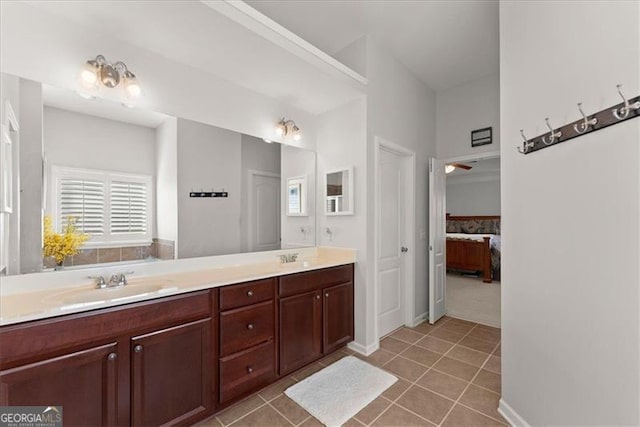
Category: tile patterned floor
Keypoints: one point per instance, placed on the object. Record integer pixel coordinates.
(448, 375)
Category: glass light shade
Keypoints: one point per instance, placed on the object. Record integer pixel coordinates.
(89, 74)
(279, 129)
(297, 136)
(132, 87)
(449, 168)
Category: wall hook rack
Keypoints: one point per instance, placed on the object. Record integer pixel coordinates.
(626, 110)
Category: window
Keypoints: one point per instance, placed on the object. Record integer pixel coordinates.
(296, 196)
(112, 207)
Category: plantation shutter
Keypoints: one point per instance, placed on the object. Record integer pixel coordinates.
(128, 202)
(84, 200)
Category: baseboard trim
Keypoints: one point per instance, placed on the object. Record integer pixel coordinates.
(362, 349)
(481, 322)
(511, 415)
(421, 318)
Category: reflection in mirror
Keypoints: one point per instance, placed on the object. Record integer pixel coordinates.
(297, 196)
(126, 177)
(339, 192)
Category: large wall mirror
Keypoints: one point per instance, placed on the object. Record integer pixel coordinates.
(145, 186)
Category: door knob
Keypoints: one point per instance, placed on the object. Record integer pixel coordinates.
(404, 249)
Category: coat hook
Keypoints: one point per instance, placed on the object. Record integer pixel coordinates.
(586, 122)
(526, 144)
(553, 134)
(623, 112)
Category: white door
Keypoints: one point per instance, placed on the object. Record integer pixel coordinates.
(264, 212)
(391, 234)
(437, 240)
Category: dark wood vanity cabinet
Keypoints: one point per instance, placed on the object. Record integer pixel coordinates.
(300, 330)
(84, 382)
(171, 374)
(316, 315)
(176, 360)
(247, 338)
(147, 363)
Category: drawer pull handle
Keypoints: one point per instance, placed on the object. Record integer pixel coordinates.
(250, 326)
(112, 356)
(249, 370)
(137, 348)
(250, 293)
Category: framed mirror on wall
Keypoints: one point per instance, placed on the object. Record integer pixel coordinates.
(338, 192)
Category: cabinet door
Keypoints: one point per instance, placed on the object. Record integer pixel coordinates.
(337, 316)
(84, 383)
(300, 330)
(171, 374)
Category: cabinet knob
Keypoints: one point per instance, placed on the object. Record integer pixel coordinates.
(249, 293)
(250, 326)
(249, 370)
(326, 295)
(112, 356)
(317, 296)
(137, 348)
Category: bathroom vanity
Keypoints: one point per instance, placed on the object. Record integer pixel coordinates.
(177, 359)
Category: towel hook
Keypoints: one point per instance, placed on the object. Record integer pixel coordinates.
(526, 144)
(553, 134)
(623, 112)
(586, 122)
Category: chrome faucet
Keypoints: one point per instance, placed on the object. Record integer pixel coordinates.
(286, 258)
(116, 280)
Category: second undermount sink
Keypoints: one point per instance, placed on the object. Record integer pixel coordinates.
(89, 296)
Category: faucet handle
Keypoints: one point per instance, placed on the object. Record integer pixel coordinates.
(100, 282)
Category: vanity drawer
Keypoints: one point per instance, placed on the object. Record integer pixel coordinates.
(299, 283)
(245, 371)
(234, 296)
(246, 327)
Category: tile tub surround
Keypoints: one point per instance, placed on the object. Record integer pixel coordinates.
(28, 296)
(425, 393)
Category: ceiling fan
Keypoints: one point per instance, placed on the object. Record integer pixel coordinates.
(452, 166)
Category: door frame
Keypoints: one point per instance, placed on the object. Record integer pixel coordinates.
(457, 159)
(409, 229)
(252, 173)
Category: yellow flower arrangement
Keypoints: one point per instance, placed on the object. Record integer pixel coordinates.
(62, 245)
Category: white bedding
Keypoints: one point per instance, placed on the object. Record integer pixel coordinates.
(494, 239)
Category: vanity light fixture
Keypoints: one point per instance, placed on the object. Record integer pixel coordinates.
(449, 168)
(288, 127)
(100, 72)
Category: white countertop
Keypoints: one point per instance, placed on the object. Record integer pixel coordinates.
(41, 297)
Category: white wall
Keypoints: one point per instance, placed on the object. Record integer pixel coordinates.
(342, 142)
(31, 179)
(401, 109)
(255, 155)
(82, 141)
(167, 180)
(296, 163)
(570, 217)
(209, 160)
(398, 108)
(48, 48)
(464, 108)
(472, 197)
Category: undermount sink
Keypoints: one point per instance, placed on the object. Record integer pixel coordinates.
(88, 296)
(299, 264)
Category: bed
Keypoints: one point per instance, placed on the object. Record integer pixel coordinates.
(473, 244)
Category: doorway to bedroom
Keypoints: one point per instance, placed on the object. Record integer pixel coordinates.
(468, 207)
